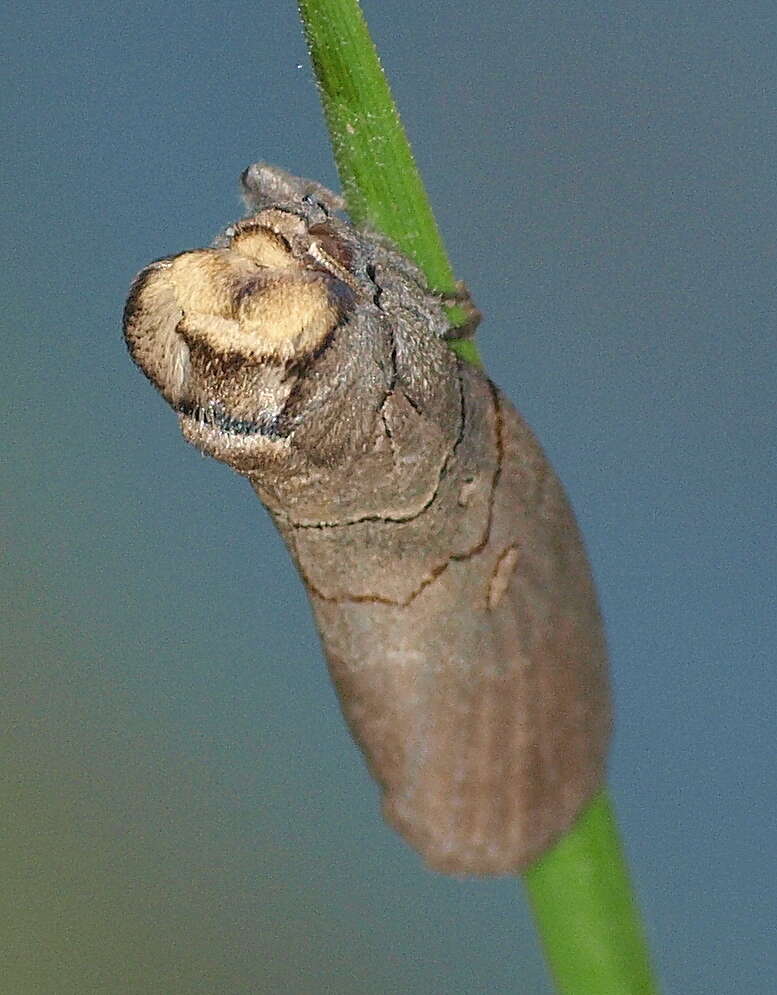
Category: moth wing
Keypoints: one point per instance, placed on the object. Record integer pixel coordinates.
(482, 706)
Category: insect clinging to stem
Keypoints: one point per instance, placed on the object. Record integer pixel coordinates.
(447, 575)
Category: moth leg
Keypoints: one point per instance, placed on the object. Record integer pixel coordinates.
(466, 315)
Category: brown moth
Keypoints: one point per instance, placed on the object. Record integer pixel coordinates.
(447, 575)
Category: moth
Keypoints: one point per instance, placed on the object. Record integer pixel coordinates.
(447, 576)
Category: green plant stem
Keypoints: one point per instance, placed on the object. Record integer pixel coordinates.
(580, 892)
(381, 183)
(585, 911)
(380, 180)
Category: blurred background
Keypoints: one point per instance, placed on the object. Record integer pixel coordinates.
(183, 811)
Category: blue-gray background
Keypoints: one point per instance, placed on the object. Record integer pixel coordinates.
(183, 810)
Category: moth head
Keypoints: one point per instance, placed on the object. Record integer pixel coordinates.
(224, 332)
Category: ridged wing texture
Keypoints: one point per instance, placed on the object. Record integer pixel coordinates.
(481, 704)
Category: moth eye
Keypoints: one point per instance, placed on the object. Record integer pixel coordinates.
(333, 246)
(264, 247)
